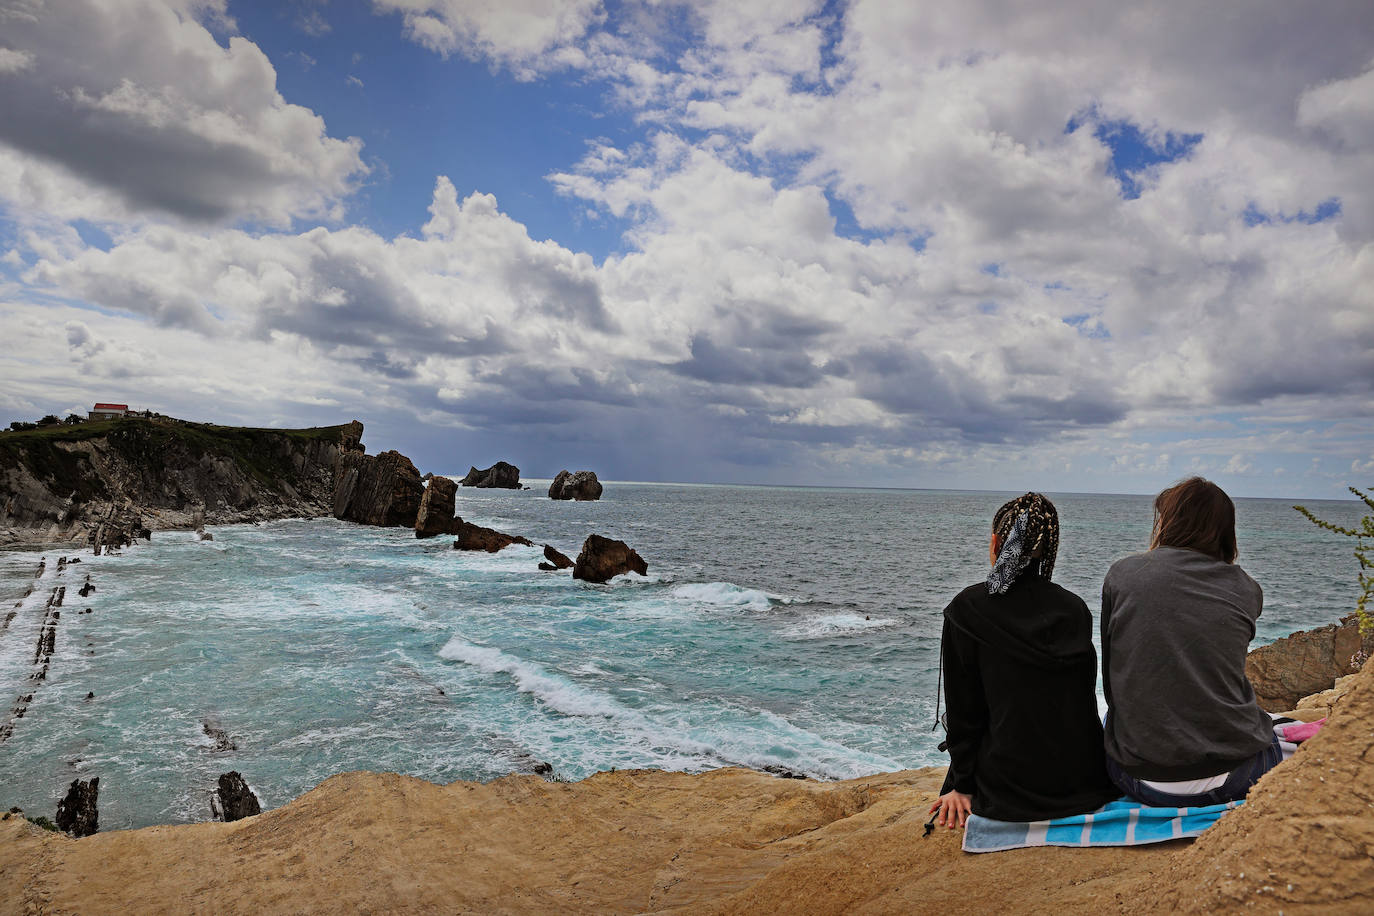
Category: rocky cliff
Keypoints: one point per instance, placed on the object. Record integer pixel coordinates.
(61, 484)
(383, 489)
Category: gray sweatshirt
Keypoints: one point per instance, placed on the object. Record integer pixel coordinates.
(1176, 625)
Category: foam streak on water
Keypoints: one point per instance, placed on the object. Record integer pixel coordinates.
(788, 627)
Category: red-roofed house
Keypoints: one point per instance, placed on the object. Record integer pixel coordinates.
(108, 411)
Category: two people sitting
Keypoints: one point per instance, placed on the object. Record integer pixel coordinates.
(1183, 727)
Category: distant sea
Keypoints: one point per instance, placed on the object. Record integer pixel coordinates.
(787, 626)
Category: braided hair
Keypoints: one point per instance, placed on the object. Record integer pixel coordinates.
(1038, 541)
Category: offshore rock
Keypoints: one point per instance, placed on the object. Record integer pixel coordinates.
(581, 485)
(501, 475)
(475, 537)
(556, 559)
(77, 813)
(436, 508)
(233, 800)
(380, 489)
(1305, 663)
(603, 558)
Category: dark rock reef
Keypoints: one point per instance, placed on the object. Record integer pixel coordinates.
(380, 489)
(475, 537)
(436, 508)
(233, 800)
(603, 558)
(581, 485)
(502, 475)
(1305, 663)
(77, 813)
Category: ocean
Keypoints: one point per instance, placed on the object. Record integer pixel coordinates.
(784, 626)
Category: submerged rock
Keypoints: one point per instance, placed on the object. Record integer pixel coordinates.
(501, 475)
(603, 558)
(1305, 663)
(78, 812)
(581, 485)
(218, 735)
(436, 508)
(475, 537)
(233, 800)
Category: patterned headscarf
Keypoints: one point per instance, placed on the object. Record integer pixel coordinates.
(1026, 526)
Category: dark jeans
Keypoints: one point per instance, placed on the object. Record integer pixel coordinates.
(1238, 782)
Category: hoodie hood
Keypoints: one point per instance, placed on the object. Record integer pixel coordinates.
(1034, 621)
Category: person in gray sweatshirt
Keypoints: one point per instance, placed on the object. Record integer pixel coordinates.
(1183, 726)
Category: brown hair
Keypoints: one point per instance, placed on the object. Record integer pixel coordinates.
(1196, 514)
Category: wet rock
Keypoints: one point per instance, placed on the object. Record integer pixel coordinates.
(435, 515)
(203, 535)
(1305, 663)
(233, 800)
(559, 561)
(86, 590)
(782, 771)
(77, 813)
(380, 489)
(501, 475)
(542, 768)
(90, 695)
(580, 485)
(475, 537)
(547, 567)
(604, 558)
(218, 735)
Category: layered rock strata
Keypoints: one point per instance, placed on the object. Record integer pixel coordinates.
(106, 483)
(435, 516)
(383, 490)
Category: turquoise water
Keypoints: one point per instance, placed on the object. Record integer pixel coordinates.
(787, 626)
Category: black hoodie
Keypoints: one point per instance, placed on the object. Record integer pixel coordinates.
(1021, 676)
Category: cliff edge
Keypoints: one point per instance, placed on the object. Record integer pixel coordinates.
(61, 484)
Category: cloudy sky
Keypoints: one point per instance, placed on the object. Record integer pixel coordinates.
(928, 244)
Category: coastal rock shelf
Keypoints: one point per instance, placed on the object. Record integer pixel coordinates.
(727, 841)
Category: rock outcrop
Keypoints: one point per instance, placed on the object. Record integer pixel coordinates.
(436, 508)
(603, 558)
(501, 475)
(380, 489)
(581, 485)
(475, 537)
(105, 483)
(233, 800)
(78, 812)
(555, 559)
(1305, 663)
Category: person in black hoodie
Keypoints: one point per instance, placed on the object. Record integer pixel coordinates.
(1025, 742)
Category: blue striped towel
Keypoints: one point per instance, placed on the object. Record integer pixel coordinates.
(1119, 823)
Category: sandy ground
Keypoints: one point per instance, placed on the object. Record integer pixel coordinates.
(730, 841)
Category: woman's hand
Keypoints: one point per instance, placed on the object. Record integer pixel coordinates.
(954, 808)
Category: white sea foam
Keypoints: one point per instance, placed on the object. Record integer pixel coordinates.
(727, 594)
(840, 624)
(559, 693)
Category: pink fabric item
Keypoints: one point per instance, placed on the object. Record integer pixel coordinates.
(1301, 731)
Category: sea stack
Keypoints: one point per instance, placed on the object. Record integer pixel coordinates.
(501, 475)
(602, 559)
(436, 508)
(580, 485)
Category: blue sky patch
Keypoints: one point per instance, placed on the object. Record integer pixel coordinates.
(1327, 209)
(1134, 150)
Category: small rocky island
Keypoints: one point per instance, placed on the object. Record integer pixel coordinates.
(501, 475)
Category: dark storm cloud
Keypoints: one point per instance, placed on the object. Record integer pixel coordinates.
(731, 365)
